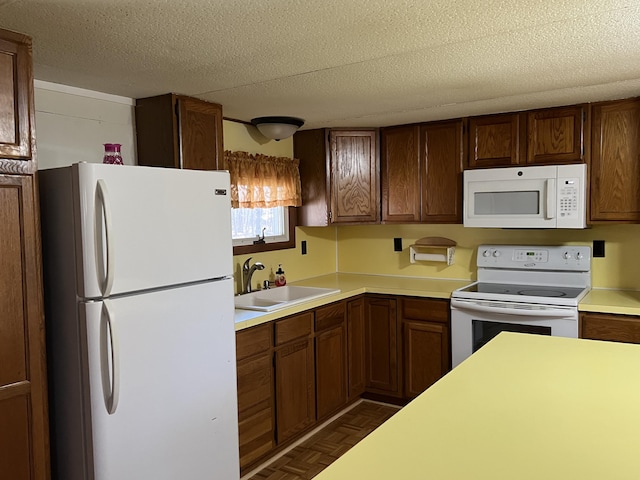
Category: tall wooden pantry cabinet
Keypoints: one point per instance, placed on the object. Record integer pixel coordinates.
(24, 437)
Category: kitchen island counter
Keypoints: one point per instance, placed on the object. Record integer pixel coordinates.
(351, 285)
(557, 409)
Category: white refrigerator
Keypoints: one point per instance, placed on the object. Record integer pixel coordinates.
(139, 320)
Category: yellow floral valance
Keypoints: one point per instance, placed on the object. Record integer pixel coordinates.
(262, 181)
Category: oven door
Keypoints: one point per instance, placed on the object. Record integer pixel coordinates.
(475, 322)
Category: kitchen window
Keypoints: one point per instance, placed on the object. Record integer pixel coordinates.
(264, 192)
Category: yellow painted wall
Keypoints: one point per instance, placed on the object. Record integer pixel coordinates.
(246, 138)
(321, 242)
(319, 260)
(369, 249)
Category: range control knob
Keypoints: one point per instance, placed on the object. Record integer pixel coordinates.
(566, 255)
(579, 256)
(486, 253)
(496, 253)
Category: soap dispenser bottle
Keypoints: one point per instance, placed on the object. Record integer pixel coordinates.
(281, 281)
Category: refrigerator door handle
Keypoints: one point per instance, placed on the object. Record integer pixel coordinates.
(109, 359)
(103, 196)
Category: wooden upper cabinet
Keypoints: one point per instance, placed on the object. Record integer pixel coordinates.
(339, 174)
(556, 135)
(615, 161)
(442, 156)
(538, 137)
(179, 132)
(496, 140)
(354, 176)
(17, 121)
(422, 172)
(400, 162)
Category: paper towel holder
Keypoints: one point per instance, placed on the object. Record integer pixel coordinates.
(433, 249)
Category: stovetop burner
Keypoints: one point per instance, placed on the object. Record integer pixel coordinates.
(542, 293)
(524, 290)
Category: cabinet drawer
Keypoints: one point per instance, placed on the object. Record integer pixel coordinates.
(330, 316)
(614, 328)
(431, 310)
(253, 341)
(255, 379)
(256, 436)
(294, 327)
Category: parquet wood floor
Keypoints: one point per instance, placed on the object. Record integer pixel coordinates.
(316, 453)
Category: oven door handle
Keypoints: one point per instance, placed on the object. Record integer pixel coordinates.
(547, 312)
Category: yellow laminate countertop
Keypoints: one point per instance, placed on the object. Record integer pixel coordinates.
(351, 285)
(625, 302)
(523, 407)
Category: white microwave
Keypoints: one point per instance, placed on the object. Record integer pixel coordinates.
(551, 196)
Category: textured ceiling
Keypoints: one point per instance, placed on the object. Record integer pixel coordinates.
(340, 62)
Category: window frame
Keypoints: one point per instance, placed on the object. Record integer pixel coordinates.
(267, 247)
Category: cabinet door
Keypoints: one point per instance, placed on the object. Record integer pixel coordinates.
(255, 393)
(179, 132)
(354, 176)
(17, 135)
(426, 342)
(426, 355)
(356, 347)
(556, 135)
(310, 147)
(615, 328)
(382, 345)
(496, 141)
(442, 154)
(200, 127)
(615, 161)
(24, 437)
(331, 370)
(255, 408)
(400, 162)
(295, 394)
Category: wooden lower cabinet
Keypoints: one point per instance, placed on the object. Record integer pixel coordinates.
(381, 334)
(356, 356)
(615, 328)
(254, 348)
(426, 341)
(294, 375)
(331, 359)
(298, 371)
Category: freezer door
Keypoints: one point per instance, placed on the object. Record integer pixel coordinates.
(162, 384)
(142, 227)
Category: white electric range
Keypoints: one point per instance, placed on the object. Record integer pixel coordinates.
(528, 289)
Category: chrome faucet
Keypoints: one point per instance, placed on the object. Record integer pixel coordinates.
(247, 273)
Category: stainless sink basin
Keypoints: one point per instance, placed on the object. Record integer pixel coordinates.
(280, 297)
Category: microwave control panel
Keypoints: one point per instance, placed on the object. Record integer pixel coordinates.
(568, 195)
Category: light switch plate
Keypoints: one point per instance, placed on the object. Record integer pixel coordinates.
(598, 248)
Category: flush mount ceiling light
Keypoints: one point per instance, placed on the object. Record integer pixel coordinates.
(277, 128)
